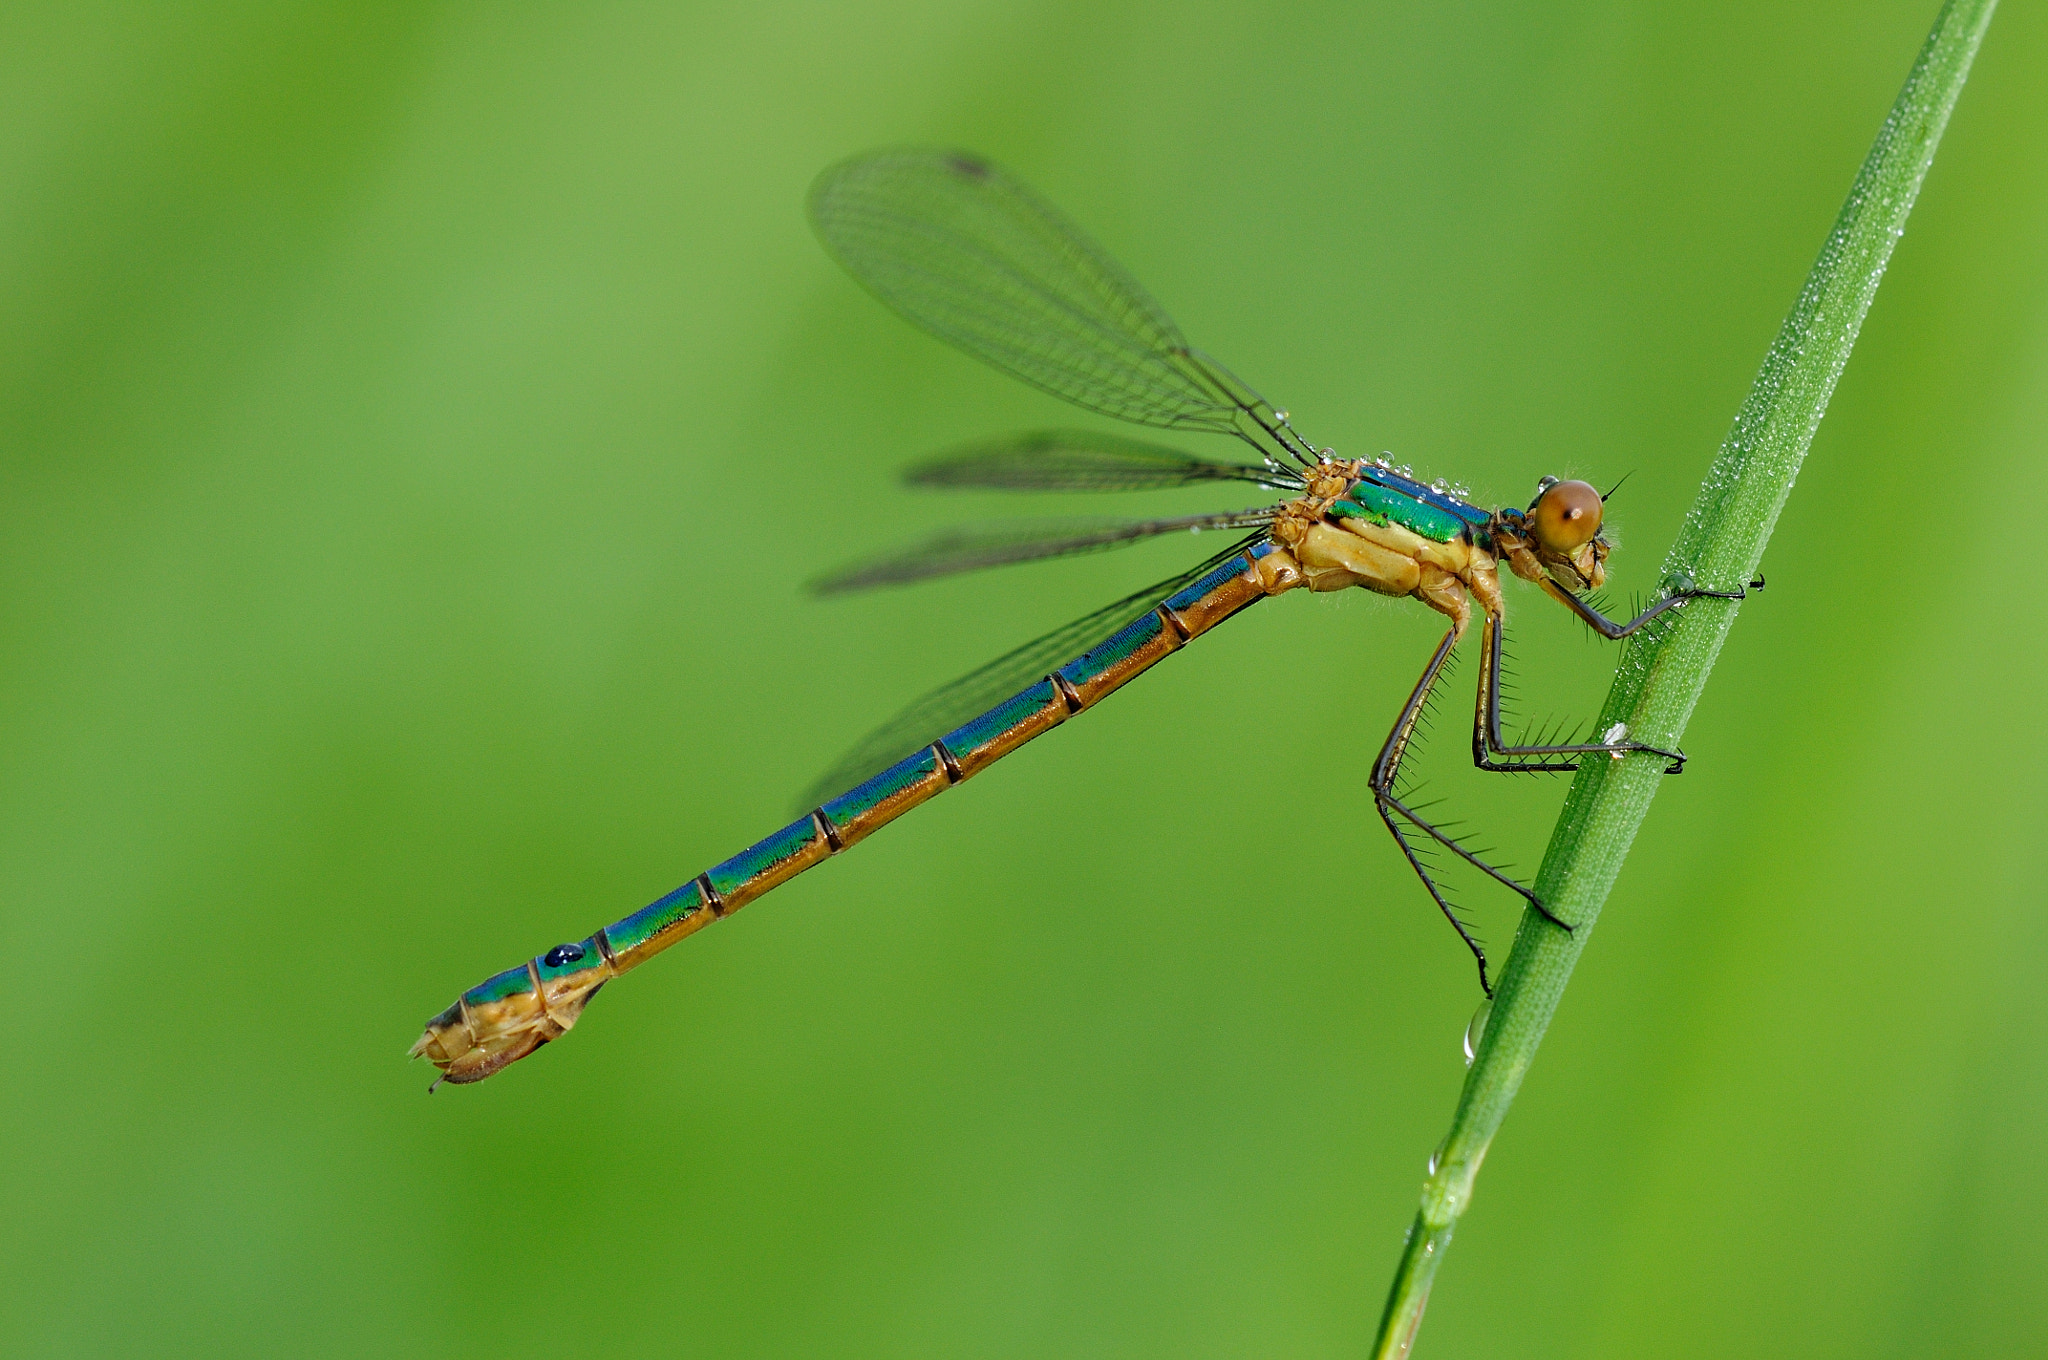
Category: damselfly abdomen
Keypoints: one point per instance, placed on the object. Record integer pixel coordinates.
(973, 256)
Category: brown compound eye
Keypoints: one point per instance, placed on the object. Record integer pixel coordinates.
(1566, 516)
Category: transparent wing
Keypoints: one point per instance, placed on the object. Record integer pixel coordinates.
(944, 709)
(971, 547)
(976, 258)
(1079, 460)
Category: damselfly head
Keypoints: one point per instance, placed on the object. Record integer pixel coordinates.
(1565, 516)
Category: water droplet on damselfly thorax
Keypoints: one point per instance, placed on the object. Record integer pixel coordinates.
(1406, 470)
(1475, 1029)
(1439, 486)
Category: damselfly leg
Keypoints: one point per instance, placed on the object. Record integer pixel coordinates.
(1492, 753)
(1614, 632)
(1386, 771)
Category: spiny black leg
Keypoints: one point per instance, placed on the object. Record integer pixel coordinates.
(1614, 632)
(1388, 800)
(1388, 762)
(1487, 741)
(1386, 770)
(1429, 885)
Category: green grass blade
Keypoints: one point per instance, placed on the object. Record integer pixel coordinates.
(1661, 674)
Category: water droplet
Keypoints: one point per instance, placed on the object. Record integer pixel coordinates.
(1382, 461)
(1406, 470)
(1439, 486)
(1475, 1028)
(1280, 417)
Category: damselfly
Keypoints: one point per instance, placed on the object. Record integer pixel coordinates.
(972, 255)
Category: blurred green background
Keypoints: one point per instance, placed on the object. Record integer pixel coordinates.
(416, 424)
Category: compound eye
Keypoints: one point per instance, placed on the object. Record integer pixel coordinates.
(1566, 516)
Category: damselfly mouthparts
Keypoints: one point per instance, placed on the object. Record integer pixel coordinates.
(973, 256)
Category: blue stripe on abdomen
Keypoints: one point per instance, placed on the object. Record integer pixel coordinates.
(1111, 649)
(976, 733)
(654, 918)
(798, 835)
(1230, 570)
(512, 982)
(866, 797)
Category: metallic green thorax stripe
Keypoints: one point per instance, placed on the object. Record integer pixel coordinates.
(853, 814)
(1384, 496)
(1382, 506)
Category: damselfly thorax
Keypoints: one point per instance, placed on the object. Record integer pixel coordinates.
(1342, 535)
(976, 258)
(1360, 523)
